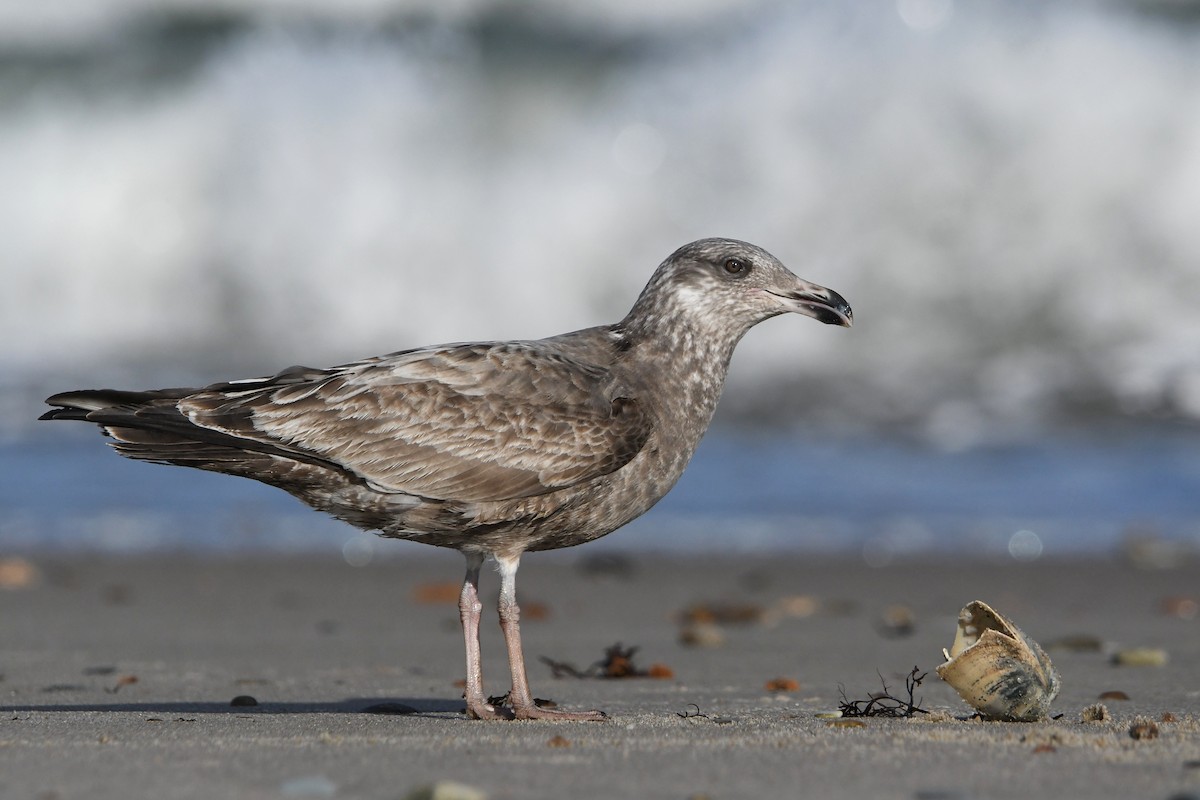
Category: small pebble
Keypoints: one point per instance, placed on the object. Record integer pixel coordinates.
(657, 670)
(1143, 729)
(897, 621)
(1078, 643)
(798, 606)
(99, 670)
(1182, 607)
(312, 786)
(18, 573)
(437, 593)
(1140, 657)
(1114, 694)
(782, 685)
(243, 700)
(701, 634)
(446, 790)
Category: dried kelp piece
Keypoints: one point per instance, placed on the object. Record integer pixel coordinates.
(617, 663)
(885, 704)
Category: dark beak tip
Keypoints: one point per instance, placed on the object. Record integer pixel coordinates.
(841, 315)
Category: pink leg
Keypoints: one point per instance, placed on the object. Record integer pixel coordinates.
(470, 610)
(523, 706)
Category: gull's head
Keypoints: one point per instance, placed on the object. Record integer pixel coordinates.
(735, 285)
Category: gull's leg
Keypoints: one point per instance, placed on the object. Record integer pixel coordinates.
(523, 706)
(470, 610)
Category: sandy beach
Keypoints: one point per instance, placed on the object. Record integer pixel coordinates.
(118, 677)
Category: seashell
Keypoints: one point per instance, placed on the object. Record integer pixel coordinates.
(997, 669)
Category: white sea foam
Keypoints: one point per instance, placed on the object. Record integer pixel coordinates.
(1005, 192)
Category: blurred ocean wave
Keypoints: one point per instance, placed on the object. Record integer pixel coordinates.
(881, 501)
(1005, 191)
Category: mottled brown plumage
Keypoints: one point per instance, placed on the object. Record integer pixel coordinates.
(492, 448)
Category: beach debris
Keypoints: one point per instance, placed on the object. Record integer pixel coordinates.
(1181, 606)
(884, 704)
(1168, 717)
(997, 669)
(782, 685)
(102, 670)
(1142, 729)
(896, 622)
(846, 723)
(1113, 694)
(558, 741)
(1140, 657)
(701, 634)
(1096, 712)
(797, 606)
(1146, 548)
(64, 687)
(697, 714)
(18, 573)
(1077, 643)
(535, 611)
(308, 786)
(610, 565)
(124, 680)
(243, 700)
(617, 663)
(722, 614)
(434, 593)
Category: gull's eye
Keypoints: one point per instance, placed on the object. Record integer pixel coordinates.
(735, 266)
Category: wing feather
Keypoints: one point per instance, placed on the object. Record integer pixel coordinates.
(473, 422)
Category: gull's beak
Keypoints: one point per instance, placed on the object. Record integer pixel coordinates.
(811, 300)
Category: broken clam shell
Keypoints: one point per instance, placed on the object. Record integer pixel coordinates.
(997, 669)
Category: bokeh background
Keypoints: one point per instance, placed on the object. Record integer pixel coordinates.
(1007, 192)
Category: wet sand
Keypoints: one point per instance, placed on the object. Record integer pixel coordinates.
(118, 677)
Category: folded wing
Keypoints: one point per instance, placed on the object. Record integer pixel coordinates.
(474, 422)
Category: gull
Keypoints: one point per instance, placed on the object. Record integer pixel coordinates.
(494, 449)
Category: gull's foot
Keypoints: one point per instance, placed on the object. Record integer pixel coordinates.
(504, 708)
(488, 711)
(538, 712)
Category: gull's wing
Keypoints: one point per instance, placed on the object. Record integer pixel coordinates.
(471, 422)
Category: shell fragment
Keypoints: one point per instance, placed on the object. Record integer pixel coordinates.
(997, 669)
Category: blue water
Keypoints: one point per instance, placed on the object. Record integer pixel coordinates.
(883, 499)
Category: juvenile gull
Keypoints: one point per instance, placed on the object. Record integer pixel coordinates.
(491, 448)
